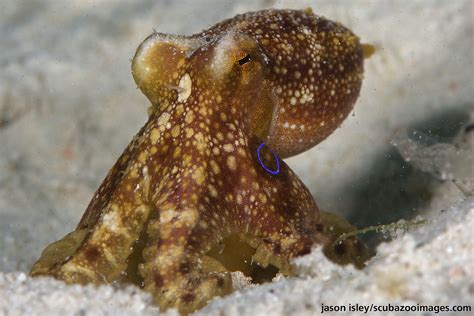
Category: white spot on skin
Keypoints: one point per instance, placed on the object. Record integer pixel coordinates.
(212, 190)
(231, 163)
(74, 268)
(163, 119)
(228, 148)
(185, 84)
(154, 136)
(111, 221)
(175, 131)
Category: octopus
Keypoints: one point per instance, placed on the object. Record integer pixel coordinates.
(202, 189)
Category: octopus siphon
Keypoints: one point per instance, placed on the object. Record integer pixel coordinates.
(201, 190)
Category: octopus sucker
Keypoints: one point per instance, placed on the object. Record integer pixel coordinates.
(202, 189)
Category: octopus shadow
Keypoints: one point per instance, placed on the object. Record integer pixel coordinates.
(391, 188)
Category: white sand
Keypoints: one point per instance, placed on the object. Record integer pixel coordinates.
(68, 107)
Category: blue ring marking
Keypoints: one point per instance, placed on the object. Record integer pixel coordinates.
(263, 165)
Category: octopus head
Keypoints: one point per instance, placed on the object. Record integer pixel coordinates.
(292, 75)
(223, 71)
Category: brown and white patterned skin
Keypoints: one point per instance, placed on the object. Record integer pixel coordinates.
(191, 176)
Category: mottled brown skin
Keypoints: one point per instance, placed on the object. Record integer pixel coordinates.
(315, 71)
(190, 179)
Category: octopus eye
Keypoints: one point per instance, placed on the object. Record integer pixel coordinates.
(245, 60)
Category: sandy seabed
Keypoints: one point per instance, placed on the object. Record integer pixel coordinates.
(68, 107)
